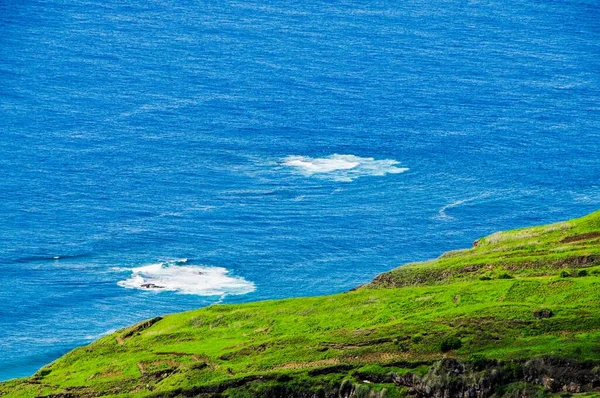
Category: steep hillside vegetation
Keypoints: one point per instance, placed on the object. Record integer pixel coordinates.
(516, 315)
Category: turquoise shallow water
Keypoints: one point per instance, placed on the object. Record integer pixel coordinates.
(158, 156)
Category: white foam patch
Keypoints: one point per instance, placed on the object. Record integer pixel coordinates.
(177, 276)
(343, 167)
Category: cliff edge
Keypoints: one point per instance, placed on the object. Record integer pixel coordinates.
(516, 315)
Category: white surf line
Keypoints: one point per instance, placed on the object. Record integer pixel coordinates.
(442, 212)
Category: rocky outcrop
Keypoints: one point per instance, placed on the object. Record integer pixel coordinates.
(447, 378)
(451, 378)
(562, 375)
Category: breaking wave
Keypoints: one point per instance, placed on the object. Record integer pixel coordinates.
(178, 276)
(343, 167)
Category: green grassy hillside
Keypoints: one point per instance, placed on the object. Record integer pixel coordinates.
(516, 315)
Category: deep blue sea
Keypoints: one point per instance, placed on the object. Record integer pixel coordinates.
(159, 156)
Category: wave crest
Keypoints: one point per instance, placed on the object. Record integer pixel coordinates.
(442, 213)
(177, 276)
(343, 167)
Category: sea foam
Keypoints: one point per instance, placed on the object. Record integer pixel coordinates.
(178, 276)
(342, 167)
(442, 213)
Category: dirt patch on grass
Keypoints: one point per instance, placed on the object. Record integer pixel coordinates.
(108, 373)
(149, 367)
(308, 364)
(175, 354)
(580, 237)
(385, 357)
(358, 344)
(247, 351)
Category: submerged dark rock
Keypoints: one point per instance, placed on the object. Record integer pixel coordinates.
(151, 286)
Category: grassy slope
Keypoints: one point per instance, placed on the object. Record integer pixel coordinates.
(402, 316)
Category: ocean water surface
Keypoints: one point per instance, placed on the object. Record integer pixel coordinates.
(159, 156)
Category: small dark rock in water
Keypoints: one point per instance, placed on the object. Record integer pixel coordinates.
(151, 286)
(543, 314)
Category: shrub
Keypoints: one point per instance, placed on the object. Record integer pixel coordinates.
(478, 361)
(43, 372)
(450, 343)
(504, 275)
(582, 272)
(565, 274)
(543, 313)
(522, 389)
(362, 391)
(513, 370)
(485, 278)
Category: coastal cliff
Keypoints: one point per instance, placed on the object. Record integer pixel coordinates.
(516, 315)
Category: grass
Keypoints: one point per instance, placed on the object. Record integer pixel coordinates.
(570, 246)
(482, 301)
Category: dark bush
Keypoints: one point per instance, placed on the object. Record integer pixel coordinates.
(543, 313)
(565, 274)
(362, 391)
(485, 278)
(450, 343)
(479, 362)
(582, 272)
(43, 372)
(513, 370)
(504, 275)
(417, 338)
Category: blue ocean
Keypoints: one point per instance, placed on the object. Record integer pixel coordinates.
(160, 156)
